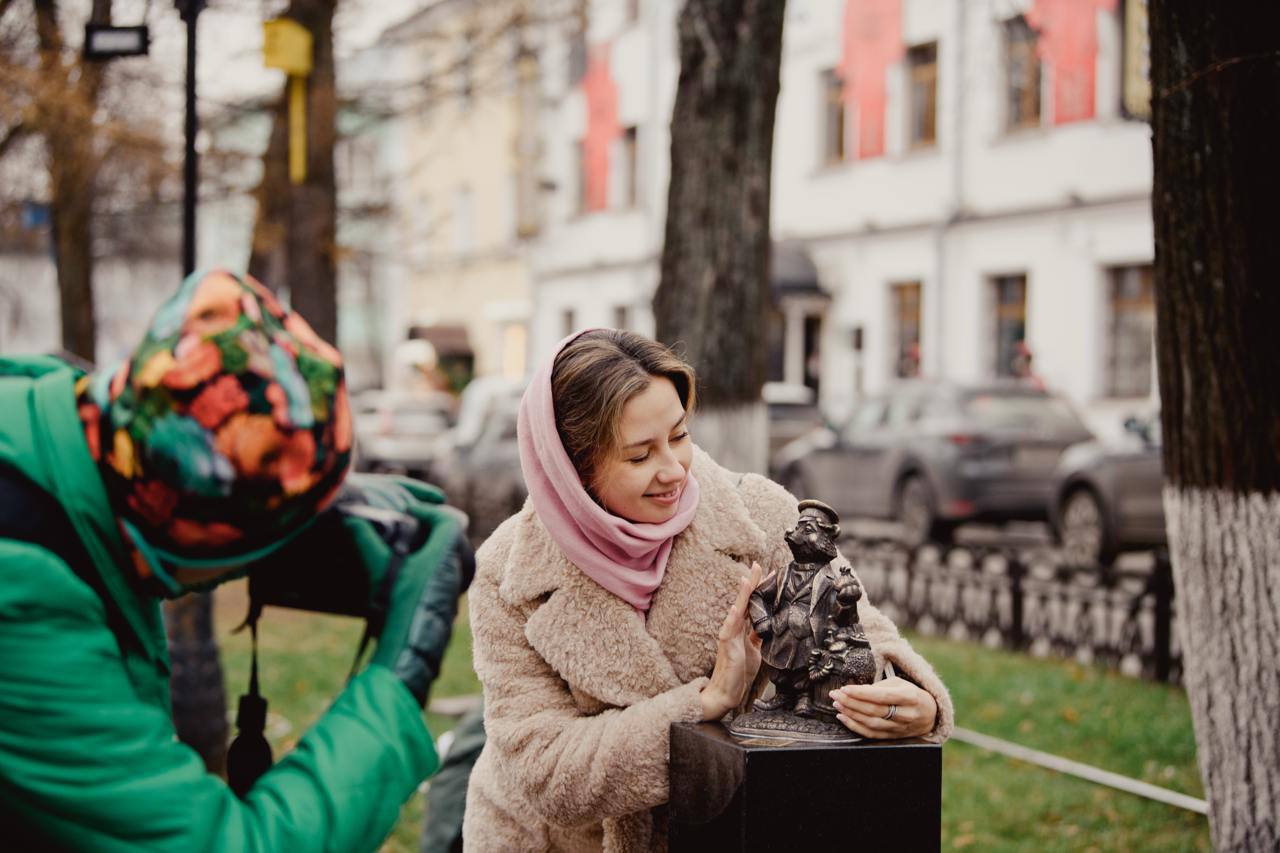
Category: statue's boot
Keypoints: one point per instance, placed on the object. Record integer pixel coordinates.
(804, 708)
(778, 702)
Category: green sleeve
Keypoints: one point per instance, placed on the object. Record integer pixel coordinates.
(88, 766)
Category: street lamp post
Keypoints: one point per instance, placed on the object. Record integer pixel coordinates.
(196, 690)
(190, 11)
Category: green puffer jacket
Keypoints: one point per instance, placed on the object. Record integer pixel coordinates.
(88, 756)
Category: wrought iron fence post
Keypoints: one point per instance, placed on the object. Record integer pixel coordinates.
(1017, 633)
(1162, 587)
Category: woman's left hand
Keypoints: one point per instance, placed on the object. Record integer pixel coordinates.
(892, 708)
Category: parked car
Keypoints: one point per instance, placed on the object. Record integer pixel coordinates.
(1107, 497)
(478, 461)
(932, 455)
(399, 432)
(793, 412)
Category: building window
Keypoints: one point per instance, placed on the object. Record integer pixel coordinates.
(833, 117)
(922, 64)
(466, 68)
(1130, 330)
(568, 323)
(580, 174)
(464, 236)
(622, 317)
(1022, 75)
(812, 350)
(422, 231)
(578, 51)
(515, 339)
(1010, 293)
(630, 165)
(906, 326)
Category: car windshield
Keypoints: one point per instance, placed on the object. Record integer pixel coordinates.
(868, 416)
(1003, 410)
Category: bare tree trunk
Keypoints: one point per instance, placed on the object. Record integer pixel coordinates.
(196, 685)
(71, 213)
(1216, 119)
(713, 297)
(67, 124)
(295, 236)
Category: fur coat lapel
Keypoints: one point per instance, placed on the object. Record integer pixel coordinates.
(630, 657)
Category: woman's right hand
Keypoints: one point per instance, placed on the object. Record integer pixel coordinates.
(737, 655)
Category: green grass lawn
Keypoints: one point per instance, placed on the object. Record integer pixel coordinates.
(1087, 714)
(989, 802)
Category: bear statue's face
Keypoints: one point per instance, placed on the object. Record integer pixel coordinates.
(810, 540)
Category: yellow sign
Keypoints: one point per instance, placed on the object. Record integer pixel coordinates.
(286, 45)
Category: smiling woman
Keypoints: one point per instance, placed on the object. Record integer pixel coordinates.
(622, 403)
(615, 604)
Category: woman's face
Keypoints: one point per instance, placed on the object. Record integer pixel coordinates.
(642, 479)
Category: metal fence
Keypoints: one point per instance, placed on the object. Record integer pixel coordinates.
(1028, 600)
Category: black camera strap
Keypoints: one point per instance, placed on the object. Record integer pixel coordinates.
(249, 755)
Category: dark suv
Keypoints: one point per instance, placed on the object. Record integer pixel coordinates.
(932, 455)
(1107, 496)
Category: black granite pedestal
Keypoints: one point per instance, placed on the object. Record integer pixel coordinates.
(748, 795)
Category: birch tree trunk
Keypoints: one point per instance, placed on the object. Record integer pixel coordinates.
(1216, 122)
(713, 295)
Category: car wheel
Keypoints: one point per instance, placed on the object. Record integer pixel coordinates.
(1082, 528)
(914, 512)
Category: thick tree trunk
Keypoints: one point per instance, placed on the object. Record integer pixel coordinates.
(71, 191)
(713, 297)
(295, 235)
(67, 124)
(1216, 119)
(196, 685)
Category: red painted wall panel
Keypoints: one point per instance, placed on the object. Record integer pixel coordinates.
(602, 127)
(872, 42)
(1069, 46)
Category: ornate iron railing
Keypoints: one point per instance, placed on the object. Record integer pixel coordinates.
(1028, 599)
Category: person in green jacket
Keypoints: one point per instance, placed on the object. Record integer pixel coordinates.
(223, 437)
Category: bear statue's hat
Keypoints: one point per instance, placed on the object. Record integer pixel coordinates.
(810, 504)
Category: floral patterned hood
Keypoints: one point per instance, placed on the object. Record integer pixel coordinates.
(226, 430)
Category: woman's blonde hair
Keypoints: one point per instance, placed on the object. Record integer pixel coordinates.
(594, 377)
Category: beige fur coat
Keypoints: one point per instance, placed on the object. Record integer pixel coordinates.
(580, 689)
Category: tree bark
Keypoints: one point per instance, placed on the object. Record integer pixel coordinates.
(196, 684)
(1216, 117)
(712, 300)
(295, 235)
(67, 124)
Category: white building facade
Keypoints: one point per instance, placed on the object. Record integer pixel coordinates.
(960, 172)
(608, 89)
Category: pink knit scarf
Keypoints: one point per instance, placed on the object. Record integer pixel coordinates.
(625, 557)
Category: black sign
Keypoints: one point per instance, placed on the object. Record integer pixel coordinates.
(103, 42)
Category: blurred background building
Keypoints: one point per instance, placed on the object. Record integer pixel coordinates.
(466, 193)
(951, 180)
(957, 186)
